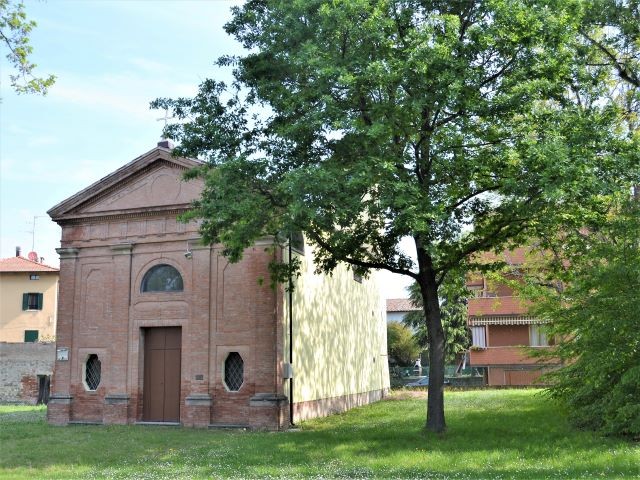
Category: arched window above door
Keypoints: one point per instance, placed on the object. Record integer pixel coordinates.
(162, 278)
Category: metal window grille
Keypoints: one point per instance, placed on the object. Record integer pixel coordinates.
(93, 369)
(234, 371)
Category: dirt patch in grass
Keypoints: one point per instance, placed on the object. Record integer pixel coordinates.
(407, 395)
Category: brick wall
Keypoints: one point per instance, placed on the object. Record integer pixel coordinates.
(20, 365)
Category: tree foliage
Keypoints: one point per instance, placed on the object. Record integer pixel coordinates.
(596, 321)
(453, 294)
(358, 122)
(588, 287)
(15, 29)
(612, 28)
(402, 346)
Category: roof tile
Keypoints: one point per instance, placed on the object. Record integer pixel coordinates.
(400, 305)
(21, 264)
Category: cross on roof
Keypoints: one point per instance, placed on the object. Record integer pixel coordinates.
(166, 118)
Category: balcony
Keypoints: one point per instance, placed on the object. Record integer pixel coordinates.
(497, 306)
(516, 355)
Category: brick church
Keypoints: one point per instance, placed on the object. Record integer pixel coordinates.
(154, 327)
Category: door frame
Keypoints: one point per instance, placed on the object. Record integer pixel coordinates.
(146, 414)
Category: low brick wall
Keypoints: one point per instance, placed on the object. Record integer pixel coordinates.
(20, 366)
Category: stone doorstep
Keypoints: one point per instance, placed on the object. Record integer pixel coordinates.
(159, 424)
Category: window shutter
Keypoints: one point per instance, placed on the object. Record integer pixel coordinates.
(40, 300)
(25, 301)
(31, 336)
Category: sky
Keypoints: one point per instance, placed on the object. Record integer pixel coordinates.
(111, 58)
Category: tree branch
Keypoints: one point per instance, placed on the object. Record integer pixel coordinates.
(623, 70)
(466, 198)
(354, 261)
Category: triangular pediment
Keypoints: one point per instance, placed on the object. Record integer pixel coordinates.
(151, 182)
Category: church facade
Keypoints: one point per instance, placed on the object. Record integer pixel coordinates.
(154, 327)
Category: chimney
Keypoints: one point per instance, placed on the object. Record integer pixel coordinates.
(17, 251)
(165, 143)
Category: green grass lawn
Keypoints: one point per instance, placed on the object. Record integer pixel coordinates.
(491, 434)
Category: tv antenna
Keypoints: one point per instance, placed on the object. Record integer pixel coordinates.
(33, 231)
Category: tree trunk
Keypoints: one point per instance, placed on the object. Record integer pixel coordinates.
(429, 290)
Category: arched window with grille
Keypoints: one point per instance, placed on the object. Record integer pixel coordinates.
(162, 278)
(233, 371)
(92, 372)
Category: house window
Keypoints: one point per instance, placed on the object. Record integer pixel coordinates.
(162, 278)
(538, 336)
(233, 371)
(92, 372)
(297, 242)
(32, 301)
(31, 336)
(476, 290)
(479, 337)
(34, 277)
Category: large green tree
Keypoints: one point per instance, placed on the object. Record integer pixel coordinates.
(15, 29)
(594, 314)
(463, 125)
(593, 267)
(402, 346)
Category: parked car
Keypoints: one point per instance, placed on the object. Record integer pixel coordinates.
(424, 382)
(421, 382)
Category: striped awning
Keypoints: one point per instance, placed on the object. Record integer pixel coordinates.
(504, 320)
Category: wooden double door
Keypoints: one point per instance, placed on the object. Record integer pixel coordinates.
(161, 394)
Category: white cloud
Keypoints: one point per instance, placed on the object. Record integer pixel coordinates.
(126, 94)
(49, 171)
(43, 140)
(149, 66)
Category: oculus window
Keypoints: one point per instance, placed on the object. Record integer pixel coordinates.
(162, 278)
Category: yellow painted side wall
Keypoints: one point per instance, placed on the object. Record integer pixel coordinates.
(13, 320)
(339, 334)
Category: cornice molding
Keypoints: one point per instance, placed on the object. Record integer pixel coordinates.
(67, 253)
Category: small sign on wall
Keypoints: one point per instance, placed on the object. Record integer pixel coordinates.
(62, 354)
